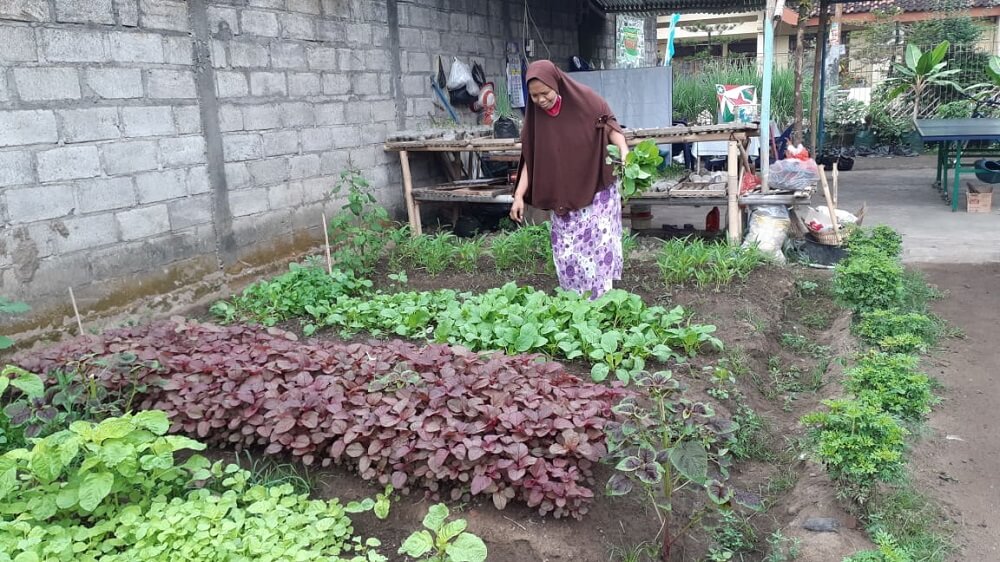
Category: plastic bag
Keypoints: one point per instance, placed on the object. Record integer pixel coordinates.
(797, 152)
(460, 76)
(793, 174)
(818, 220)
(768, 230)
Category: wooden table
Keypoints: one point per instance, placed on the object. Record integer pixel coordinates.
(734, 135)
(952, 137)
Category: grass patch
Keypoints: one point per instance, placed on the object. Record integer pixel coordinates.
(914, 521)
(266, 471)
(704, 264)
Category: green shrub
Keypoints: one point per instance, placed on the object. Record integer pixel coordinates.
(692, 260)
(902, 343)
(892, 383)
(888, 551)
(869, 281)
(859, 443)
(880, 239)
(877, 325)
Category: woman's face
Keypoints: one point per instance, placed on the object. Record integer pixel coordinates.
(543, 96)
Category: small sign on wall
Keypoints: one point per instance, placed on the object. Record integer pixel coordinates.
(630, 42)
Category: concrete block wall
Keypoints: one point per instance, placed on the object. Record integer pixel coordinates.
(152, 146)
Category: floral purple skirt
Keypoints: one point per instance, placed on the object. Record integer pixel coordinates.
(587, 244)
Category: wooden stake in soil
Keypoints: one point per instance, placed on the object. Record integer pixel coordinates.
(836, 181)
(326, 238)
(76, 311)
(830, 205)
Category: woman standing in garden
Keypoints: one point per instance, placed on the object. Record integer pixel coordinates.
(567, 128)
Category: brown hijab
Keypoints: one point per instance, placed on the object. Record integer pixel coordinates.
(564, 155)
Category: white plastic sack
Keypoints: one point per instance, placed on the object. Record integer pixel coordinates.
(461, 76)
(769, 226)
(818, 220)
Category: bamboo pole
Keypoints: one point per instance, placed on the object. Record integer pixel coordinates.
(326, 239)
(830, 205)
(76, 311)
(733, 226)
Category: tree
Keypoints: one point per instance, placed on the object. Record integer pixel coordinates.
(920, 71)
(805, 8)
(960, 31)
(711, 29)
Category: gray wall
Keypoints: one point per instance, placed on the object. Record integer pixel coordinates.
(152, 146)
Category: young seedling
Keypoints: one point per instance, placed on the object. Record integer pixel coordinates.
(443, 541)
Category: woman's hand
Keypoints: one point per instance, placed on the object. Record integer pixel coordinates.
(517, 210)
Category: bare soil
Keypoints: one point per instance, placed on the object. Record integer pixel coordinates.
(751, 317)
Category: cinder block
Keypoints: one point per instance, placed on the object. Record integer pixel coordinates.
(383, 111)
(190, 211)
(316, 189)
(237, 175)
(80, 125)
(331, 30)
(230, 84)
(350, 59)
(261, 117)
(248, 202)
(322, 58)
(147, 121)
(84, 11)
(115, 83)
(25, 10)
(15, 168)
(336, 8)
(244, 54)
(227, 16)
(304, 166)
(218, 54)
(135, 47)
(365, 83)
(242, 146)
(187, 119)
(268, 84)
(128, 12)
(256, 22)
(330, 113)
(171, 84)
(281, 142)
(417, 62)
(360, 34)
(273, 4)
(27, 127)
(317, 139)
(269, 171)
(47, 84)
(178, 50)
(230, 118)
(17, 44)
(377, 60)
(68, 163)
(136, 224)
(153, 187)
(284, 195)
(84, 233)
(163, 14)
(105, 194)
(333, 162)
(197, 180)
(288, 55)
(304, 6)
(415, 85)
(346, 136)
(298, 26)
(336, 84)
(180, 151)
(31, 204)
(410, 38)
(296, 114)
(304, 84)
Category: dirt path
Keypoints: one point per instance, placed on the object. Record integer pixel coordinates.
(959, 461)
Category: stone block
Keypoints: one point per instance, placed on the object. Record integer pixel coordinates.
(80, 125)
(136, 224)
(296, 114)
(304, 166)
(360, 113)
(244, 54)
(298, 26)
(230, 118)
(415, 85)
(115, 83)
(105, 194)
(182, 151)
(17, 44)
(85, 11)
(336, 84)
(229, 84)
(165, 185)
(281, 142)
(25, 10)
(190, 211)
(84, 233)
(304, 6)
(68, 163)
(330, 113)
(383, 111)
(260, 117)
(128, 12)
(336, 8)
(288, 55)
(237, 175)
(317, 139)
(304, 84)
(331, 30)
(228, 16)
(15, 168)
(363, 157)
(47, 84)
(322, 58)
(135, 47)
(147, 121)
(31, 204)
(350, 59)
(267, 84)
(242, 146)
(285, 195)
(163, 14)
(178, 50)
(171, 84)
(417, 62)
(359, 34)
(187, 119)
(346, 136)
(197, 180)
(248, 202)
(333, 162)
(377, 60)
(257, 22)
(269, 171)
(410, 39)
(27, 127)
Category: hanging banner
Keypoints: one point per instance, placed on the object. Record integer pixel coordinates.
(631, 42)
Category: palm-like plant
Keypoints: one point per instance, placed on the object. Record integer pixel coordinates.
(922, 70)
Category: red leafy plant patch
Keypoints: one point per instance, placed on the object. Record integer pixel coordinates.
(416, 417)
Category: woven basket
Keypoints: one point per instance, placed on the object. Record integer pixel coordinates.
(824, 238)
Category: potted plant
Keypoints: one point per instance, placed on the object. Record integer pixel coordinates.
(846, 117)
(504, 126)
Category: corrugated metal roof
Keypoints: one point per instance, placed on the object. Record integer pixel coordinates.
(917, 5)
(680, 6)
